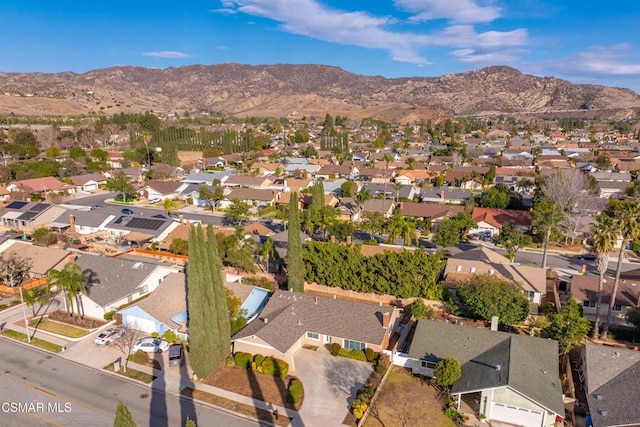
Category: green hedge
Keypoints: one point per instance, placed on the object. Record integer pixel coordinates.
(334, 348)
(275, 367)
(243, 360)
(108, 316)
(353, 354)
(295, 391)
(258, 359)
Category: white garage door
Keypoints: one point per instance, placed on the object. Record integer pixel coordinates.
(143, 325)
(515, 415)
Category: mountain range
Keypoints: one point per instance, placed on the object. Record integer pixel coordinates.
(283, 90)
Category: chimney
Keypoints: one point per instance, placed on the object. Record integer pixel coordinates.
(494, 323)
(584, 268)
(72, 223)
(181, 219)
(385, 319)
(401, 206)
(188, 223)
(348, 240)
(60, 244)
(442, 196)
(333, 239)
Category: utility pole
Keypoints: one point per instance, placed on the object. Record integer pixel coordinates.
(24, 314)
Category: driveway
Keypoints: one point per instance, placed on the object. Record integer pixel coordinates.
(330, 385)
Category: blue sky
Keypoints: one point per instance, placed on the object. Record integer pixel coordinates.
(584, 41)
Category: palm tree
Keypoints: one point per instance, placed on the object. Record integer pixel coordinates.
(36, 296)
(546, 216)
(361, 198)
(169, 206)
(604, 236)
(626, 214)
(71, 282)
(267, 250)
(386, 158)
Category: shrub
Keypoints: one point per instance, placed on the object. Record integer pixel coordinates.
(108, 316)
(447, 372)
(383, 362)
(358, 408)
(334, 348)
(452, 414)
(170, 336)
(258, 359)
(295, 391)
(366, 392)
(139, 357)
(275, 367)
(154, 334)
(254, 367)
(418, 309)
(353, 354)
(229, 362)
(370, 354)
(243, 360)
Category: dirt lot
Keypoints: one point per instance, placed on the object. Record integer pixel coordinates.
(189, 157)
(407, 400)
(254, 384)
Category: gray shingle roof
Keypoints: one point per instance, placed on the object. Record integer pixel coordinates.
(292, 314)
(614, 375)
(111, 279)
(527, 364)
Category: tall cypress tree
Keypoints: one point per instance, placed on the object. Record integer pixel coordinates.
(295, 265)
(123, 416)
(317, 196)
(203, 319)
(223, 342)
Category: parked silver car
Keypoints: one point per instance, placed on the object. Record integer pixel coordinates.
(109, 335)
(151, 345)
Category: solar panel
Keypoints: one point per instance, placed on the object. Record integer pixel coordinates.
(39, 207)
(17, 205)
(28, 215)
(145, 223)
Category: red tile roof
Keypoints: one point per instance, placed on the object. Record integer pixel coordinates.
(499, 217)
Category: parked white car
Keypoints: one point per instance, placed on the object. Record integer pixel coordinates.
(151, 345)
(154, 200)
(109, 335)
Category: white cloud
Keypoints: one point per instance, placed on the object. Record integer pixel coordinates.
(616, 60)
(459, 11)
(224, 11)
(312, 19)
(170, 54)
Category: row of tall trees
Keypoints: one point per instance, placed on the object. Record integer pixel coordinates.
(209, 326)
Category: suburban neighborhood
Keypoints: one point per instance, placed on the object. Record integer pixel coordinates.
(344, 274)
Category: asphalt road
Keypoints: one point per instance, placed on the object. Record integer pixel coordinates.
(99, 199)
(59, 392)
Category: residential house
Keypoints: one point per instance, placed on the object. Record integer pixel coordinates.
(5, 195)
(40, 186)
(390, 191)
(609, 189)
(291, 320)
(348, 209)
(265, 169)
(345, 170)
(483, 260)
(383, 206)
(585, 290)
(206, 178)
(142, 228)
(113, 282)
(89, 182)
(610, 379)
(254, 196)
(446, 195)
(166, 308)
(29, 215)
(162, 189)
(509, 378)
(490, 221)
(299, 169)
(82, 222)
(248, 181)
(43, 259)
(430, 210)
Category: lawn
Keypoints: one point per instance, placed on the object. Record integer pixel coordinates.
(58, 328)
(253, 384)
(407, 400)
(250, 411)
(132, 373)
(45, 345)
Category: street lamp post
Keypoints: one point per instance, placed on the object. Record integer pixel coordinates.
(24, 314)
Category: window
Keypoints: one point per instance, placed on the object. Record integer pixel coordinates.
(313, 336)
(589, 304)
(459, 268)
(531, 295)
(617, 307)
(144, 290)
(427, 364)
(353, 345)
(472, 269)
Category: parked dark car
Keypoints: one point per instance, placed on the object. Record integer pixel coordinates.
(127, 211)
(176, 355)
(586, 257)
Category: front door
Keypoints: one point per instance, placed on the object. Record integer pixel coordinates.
(327, 339)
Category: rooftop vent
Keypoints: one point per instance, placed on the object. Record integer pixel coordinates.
(599, 397)
(498, 367)
(602, 413)
(315, 300)
(265, 320)
(138, 265)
